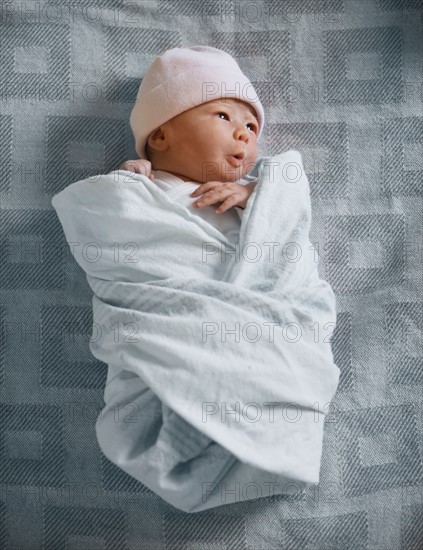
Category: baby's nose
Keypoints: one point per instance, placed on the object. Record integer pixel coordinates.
(241, 133)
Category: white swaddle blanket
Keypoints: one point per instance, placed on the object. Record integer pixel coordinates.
(180, 191)
(220, 370)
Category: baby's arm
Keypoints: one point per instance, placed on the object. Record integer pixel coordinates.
(139, 166)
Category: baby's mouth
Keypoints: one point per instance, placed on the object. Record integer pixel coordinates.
(236, 160)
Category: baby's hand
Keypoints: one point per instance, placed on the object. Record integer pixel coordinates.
(139, 166)
(229, 193)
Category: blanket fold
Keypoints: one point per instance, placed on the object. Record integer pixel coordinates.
(219, 354)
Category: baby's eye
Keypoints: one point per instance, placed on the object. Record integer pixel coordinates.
(222, 113)
(253, 126)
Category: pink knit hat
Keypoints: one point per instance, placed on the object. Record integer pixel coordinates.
(182, 78)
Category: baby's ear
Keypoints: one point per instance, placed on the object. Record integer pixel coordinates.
(156, 142)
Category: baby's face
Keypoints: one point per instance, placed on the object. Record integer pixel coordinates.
(202, 140)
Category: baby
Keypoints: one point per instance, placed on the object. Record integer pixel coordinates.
(194, 123)
(173, 368)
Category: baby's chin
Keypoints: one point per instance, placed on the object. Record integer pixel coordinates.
(236, 176)
(225, 175)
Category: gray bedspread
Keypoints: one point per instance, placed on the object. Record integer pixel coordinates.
(342, 82)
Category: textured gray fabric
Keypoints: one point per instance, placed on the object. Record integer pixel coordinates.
(340, 81)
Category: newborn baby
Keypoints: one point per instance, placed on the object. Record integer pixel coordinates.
(200, 156)
(193, 402)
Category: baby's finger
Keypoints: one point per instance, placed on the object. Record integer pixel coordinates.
(212, 197)
(207, 199)
(128, 167)
(228, 203)
(143, 170)
(204, 187)
(201, 189)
